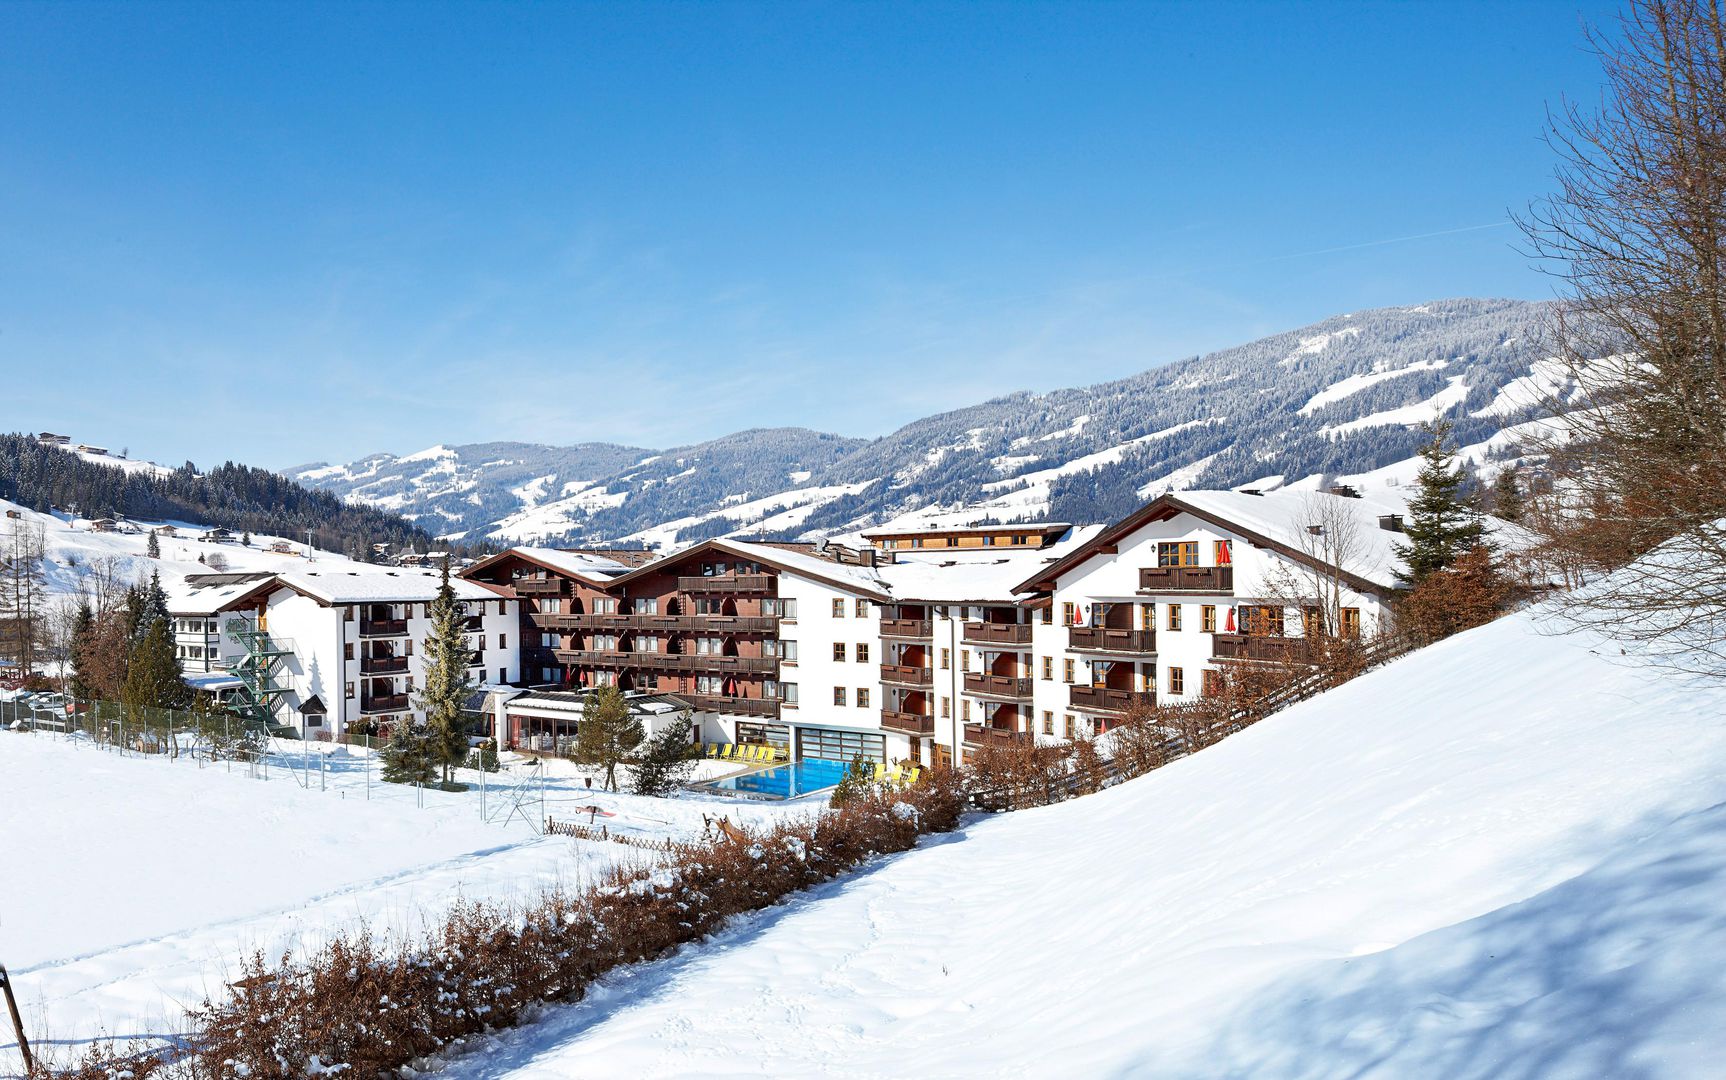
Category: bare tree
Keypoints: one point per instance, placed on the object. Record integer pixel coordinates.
(23, 594)
(1332, 540)
(1637, 230)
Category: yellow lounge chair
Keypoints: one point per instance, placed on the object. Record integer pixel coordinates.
(912, 774)
(712, 749)
(880, 771)
(893, 775)
(726, 752)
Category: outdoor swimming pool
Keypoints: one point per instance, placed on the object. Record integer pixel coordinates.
(786, 781)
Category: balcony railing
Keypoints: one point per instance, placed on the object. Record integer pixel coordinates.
(909, 723)
(727, 583)
(1282, 650)
(382, 665)
(988, 633)
(736, 624)
(1106, 699)
(736, 706)
(1109, 640)
(656, 661)
(383, 627)
(907, 675)
(546, 586)
(980, 735)
(1218, 580)
(391, 703)
(1001, 686)
(907, 628)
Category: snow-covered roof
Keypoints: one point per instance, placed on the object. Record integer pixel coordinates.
(209, 594)
(973, 575)
(1283, 516)
(382, 586)
(862, 579)
(578, 563)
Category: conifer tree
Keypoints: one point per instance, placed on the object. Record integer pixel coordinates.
(153, 547)
(447, 659)
(1441, 525)
(83, 641)
(153, 673)
(664, 762)
(407, 755)
(608, 732)
(1507, 499)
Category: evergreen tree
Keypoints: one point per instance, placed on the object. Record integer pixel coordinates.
(83, 641)
(484, 757)
(664, 763)
(246, 539)
(447, 659)
(1441, 526)
(146, 603)
(153, 673)
(153, 546)
(407, 755)
(608, 732)
(1507, 499)
(858, 781)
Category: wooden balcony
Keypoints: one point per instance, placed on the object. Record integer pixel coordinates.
(909, 723)
(657, 661)
(907, 628)
(735, 706)
(1216, 580)
(1280, 650)
(727, 583)
(993, 738)
(383, 665)
(999, 686)
(389, 704)
(907, 675)
(546, 586)
(734, 624)
(988, 633)
(1106, 639)
(1095, 699)
(383, 627)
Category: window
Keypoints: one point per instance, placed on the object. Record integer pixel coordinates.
(788, 693)
(1049, 668)
(839, 651)
(964, 708)
(784, 650)
(503, 641)
(838, 607)
(1177, 681)
(1048, 722)
(862, 609)
(1178, 553)
(1225, 552)
(502, 675)
(1311, 622)
(964, 659)
(1067, 614)
(862, 697)
(862, 652)
(348, 651)
(1264, 621)
(1174, 617)
(838, 695)
(348, 690)
(946, 708)
(828, 744)
(1067, 670)
(1351, 622)
(952, 541)
(1068, 717)
(1147, 616)
(1211, 681)
(946, 659)
(1048, 614)
(348, 616)
(1208, 618)
(781, 607)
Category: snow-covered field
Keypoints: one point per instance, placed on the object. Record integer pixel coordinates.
(130, 886)
(1501, 857)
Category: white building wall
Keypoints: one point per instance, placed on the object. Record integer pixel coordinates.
(817, 673)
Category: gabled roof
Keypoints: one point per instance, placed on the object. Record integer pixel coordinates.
(1274, 521)
(591, 567)
(380, 586)
(969, 576)
(858, 579)
(211, 594)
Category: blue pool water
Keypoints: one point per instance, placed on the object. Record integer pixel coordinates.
(786, 781)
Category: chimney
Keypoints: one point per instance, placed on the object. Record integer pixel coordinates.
(1316, 530)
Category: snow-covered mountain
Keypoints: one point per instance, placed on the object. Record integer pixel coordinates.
(1343, 397)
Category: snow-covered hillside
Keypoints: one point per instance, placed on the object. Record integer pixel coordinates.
(1343, 396)
(1500, 857)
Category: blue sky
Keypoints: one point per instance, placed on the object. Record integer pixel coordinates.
(301, 232)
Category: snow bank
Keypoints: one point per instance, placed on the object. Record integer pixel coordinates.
(1498, 857)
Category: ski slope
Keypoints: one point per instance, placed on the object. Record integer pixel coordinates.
(1499, 857)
